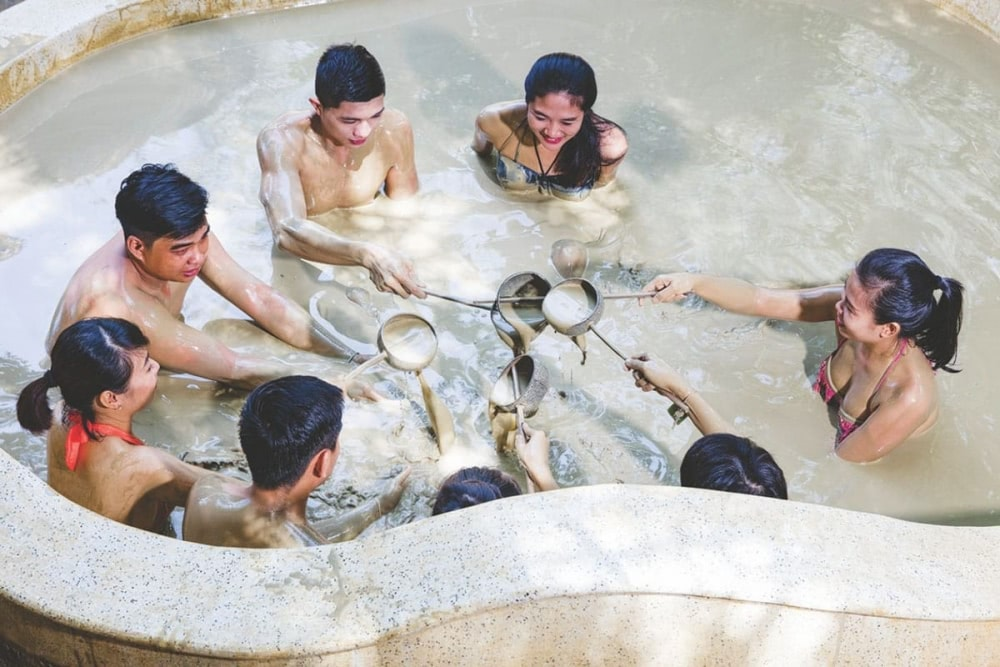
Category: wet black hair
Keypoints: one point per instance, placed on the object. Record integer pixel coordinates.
(727, 462)
(473, 486)
(89, 357)
(284, 423)
(157, 201)
(579, 161)
(900, 288)
(348, 73)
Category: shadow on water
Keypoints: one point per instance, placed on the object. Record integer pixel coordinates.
(460, 97)
(656, 141)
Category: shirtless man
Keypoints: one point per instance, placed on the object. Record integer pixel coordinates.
(289, 431)
(338, 155)
(143, 274)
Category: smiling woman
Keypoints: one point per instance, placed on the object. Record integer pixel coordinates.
(892, 335)
(569, 149)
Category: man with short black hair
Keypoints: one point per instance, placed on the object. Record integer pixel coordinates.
(339, 154)
(144, 272)
(289, 431)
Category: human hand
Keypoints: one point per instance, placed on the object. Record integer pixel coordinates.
(658, 376)
(669, 287)
(532, 447)
(357, 390)
(391, 272)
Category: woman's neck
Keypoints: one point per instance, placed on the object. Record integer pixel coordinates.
(881, 349)
(116, 418)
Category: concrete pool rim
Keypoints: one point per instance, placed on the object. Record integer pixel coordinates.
(755, 580)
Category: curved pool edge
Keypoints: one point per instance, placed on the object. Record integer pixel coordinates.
(588, 574)
(40, 38)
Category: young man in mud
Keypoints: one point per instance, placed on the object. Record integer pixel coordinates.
(143, 274)
(289, 431)
(339, 154)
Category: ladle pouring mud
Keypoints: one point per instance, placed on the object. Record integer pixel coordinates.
(573, 307)
(520, 388)
(407, 341)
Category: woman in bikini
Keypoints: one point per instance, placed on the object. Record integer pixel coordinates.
(552, 142)
(105, 375)
(897, 323)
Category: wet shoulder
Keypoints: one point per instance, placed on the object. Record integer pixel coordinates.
(614, 143)
(288, 130)
(911, 382)
(500, 119)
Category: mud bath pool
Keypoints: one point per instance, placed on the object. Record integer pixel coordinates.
(775, 141)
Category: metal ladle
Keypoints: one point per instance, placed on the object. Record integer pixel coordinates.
(520, 388)
(481, 304)
(573, 307)
(407, 341)
(517, 325)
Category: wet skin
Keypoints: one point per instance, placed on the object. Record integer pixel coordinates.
(339, 157)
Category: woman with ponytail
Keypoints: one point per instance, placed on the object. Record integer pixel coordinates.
(102, 368)
(552, 141)
(897, 323)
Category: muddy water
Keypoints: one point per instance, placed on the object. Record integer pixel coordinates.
(776, 141)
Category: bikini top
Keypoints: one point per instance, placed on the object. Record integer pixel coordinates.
(77, 437)
(513, 175)
(846, 424)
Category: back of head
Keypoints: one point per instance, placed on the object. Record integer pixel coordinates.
(901, 288)
(348, 73)
(157, 201)
(285, 423)
(89, 357)
(562, 73)
(727, 462)
(473, 486)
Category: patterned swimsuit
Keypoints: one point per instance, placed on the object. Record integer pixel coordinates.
(846, 424)
(513, 175)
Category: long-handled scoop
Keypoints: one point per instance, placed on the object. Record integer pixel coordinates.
(481, 304)
(520, 388)
(518, 324)
(573, 307)
(407, 341)
(606, 297)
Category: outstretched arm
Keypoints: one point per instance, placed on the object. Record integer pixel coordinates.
(815, 304)
(168, 479)
(350, 524)
(181, 348)
(284, 202)
(662, 378)
(272, 310)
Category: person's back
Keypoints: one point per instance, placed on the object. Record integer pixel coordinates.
(289, 430)
(103, 370)
(221, 512)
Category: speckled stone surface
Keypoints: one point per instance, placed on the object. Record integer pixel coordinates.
(608, 574)
(613, 573)
(983, 14)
